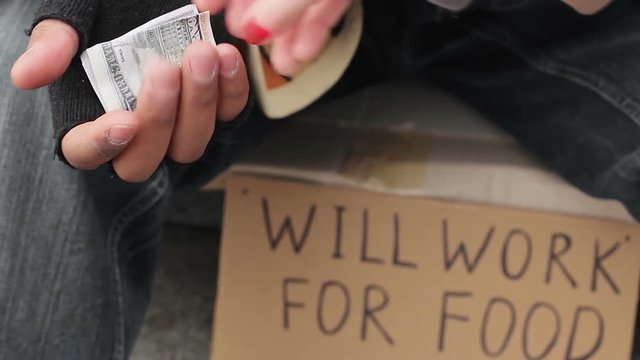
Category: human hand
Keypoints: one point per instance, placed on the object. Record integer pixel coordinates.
(296, 29)
(177, 108)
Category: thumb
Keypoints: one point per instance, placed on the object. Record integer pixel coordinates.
(52, 46)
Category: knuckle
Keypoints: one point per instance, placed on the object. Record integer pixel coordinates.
(163, 119)
(231, 109)
(79, 161)
(80, 158)
(107, 151)
(239, 92)
(131, 175)
(187, 156)
(46, 27)
(103, 149)
(204, 98)
(82, 164)
(158, 116)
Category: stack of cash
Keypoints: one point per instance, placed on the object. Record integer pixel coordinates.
(116, 68)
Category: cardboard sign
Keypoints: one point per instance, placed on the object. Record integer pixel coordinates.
(312, 272)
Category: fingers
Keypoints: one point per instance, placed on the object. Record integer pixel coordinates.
(52, 46)
(281, 57)
(309, 36)
(315, 26)
(92, 144)
(198, 103)
(234, 16)
(213, 6)
(266, 19)
(233, 84)
(212, 81)
(156, 113)
(214, 84)
(297, 29)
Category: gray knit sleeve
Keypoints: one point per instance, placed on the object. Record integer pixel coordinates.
(72, 99)
(80, 14)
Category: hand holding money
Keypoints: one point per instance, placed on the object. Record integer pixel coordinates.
(297, 30)
(116, 68)
(176, 108)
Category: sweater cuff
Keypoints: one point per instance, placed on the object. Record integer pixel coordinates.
(73, 102)
(80, 14)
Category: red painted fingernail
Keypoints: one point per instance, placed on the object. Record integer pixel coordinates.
(255, 33)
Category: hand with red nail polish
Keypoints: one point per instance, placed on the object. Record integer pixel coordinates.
(296, 29)
(256, 34)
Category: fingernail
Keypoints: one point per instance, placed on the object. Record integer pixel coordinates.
(229, 64)
(256, 34)
(120, 135)
(203, 66)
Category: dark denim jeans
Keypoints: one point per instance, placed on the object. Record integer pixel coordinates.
(78, 249)
(566, 86)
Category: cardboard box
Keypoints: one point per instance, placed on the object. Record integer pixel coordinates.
(359, 233)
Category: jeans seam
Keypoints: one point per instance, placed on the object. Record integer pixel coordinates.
(434, 55)
(618, 168)
(52, 299)
(135, 208)
(141, 248)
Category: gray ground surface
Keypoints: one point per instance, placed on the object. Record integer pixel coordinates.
(178, 324)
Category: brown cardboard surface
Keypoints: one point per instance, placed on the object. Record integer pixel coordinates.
(420, 164)
(360, 141)
(376, 276)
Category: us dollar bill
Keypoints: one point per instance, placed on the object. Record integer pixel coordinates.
(116, 68)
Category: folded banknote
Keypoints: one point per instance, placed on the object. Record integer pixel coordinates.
(116, 68)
